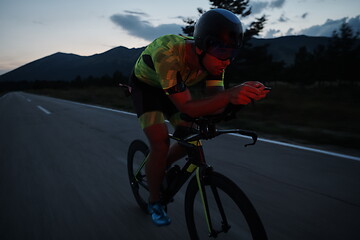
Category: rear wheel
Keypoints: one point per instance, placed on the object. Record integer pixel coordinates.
(231, 214)
(136, 159)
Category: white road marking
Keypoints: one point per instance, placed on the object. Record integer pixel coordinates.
(302, 147)
(43, 109)
(3, 96)
(237, 135)
(98, 107)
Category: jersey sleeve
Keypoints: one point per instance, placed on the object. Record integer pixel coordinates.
(167, 61)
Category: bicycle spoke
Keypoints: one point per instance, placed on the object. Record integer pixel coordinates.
(224, 209)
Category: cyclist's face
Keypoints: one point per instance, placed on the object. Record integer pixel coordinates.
(214, 65)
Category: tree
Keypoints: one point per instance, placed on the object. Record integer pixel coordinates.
(344, 52)
(253, 64)
(254, 29)
(235, 6)
(189, 29)
(238, 7)
(336, 63)
(346, 39)
(303, 69)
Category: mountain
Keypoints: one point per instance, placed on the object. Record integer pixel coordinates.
(285, 48)
(66, 67)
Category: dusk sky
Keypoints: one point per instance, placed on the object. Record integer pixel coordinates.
(34, 29)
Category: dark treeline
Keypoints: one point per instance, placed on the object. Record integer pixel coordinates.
(78, 82)
(334, 64)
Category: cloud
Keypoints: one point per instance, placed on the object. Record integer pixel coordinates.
(271, 33)
(283, 18)
(180, 17)
(290, 31)
(38, 22)
(135, 26)
(354, 23)
(136, 13)
(304, 15)
(277, 3)
(330, 26)
(259, 6)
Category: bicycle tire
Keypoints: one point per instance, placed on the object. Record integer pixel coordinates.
(254, 230)
(137, 147)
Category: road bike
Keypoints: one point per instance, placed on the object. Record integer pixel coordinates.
(215, 207)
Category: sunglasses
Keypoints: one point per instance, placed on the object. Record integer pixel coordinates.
(223, 53)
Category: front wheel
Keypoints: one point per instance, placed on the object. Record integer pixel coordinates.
(136, 160)
(230, 213)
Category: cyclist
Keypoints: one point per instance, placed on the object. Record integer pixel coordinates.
(160, 81)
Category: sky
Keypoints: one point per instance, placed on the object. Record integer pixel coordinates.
(32, 29)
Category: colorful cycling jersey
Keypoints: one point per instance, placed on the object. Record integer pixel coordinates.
(162, 64)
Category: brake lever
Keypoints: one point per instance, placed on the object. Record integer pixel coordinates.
(250, 144)
(251, 134)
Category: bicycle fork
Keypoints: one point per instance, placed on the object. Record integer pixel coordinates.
(200, 177)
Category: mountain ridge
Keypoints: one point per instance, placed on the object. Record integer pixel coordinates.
(68, 66)
(284, 48)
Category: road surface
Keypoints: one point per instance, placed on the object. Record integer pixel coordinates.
(63, 176)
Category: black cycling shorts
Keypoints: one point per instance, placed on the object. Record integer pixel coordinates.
(151, 104)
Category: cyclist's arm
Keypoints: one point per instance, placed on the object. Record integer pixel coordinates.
(241, 94)
(210, 91)
(201, 107)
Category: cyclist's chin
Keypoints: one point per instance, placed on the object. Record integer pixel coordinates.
(216, 71)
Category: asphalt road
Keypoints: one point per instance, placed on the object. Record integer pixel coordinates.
(63, 176)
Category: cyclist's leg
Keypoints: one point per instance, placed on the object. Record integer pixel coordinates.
(176, 151)
(161, 156)
(148, 102)
(157, 135)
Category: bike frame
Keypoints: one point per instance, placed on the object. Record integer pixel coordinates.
(196, 163)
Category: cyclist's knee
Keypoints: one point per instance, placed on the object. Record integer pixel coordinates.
(158, 137)
(159, 150)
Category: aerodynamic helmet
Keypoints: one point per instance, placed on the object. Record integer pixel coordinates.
(219, 32)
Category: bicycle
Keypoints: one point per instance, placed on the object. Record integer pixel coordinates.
(216, 192)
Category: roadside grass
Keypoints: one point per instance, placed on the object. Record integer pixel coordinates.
(318, 116)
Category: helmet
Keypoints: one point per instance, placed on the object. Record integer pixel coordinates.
(219, 32)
